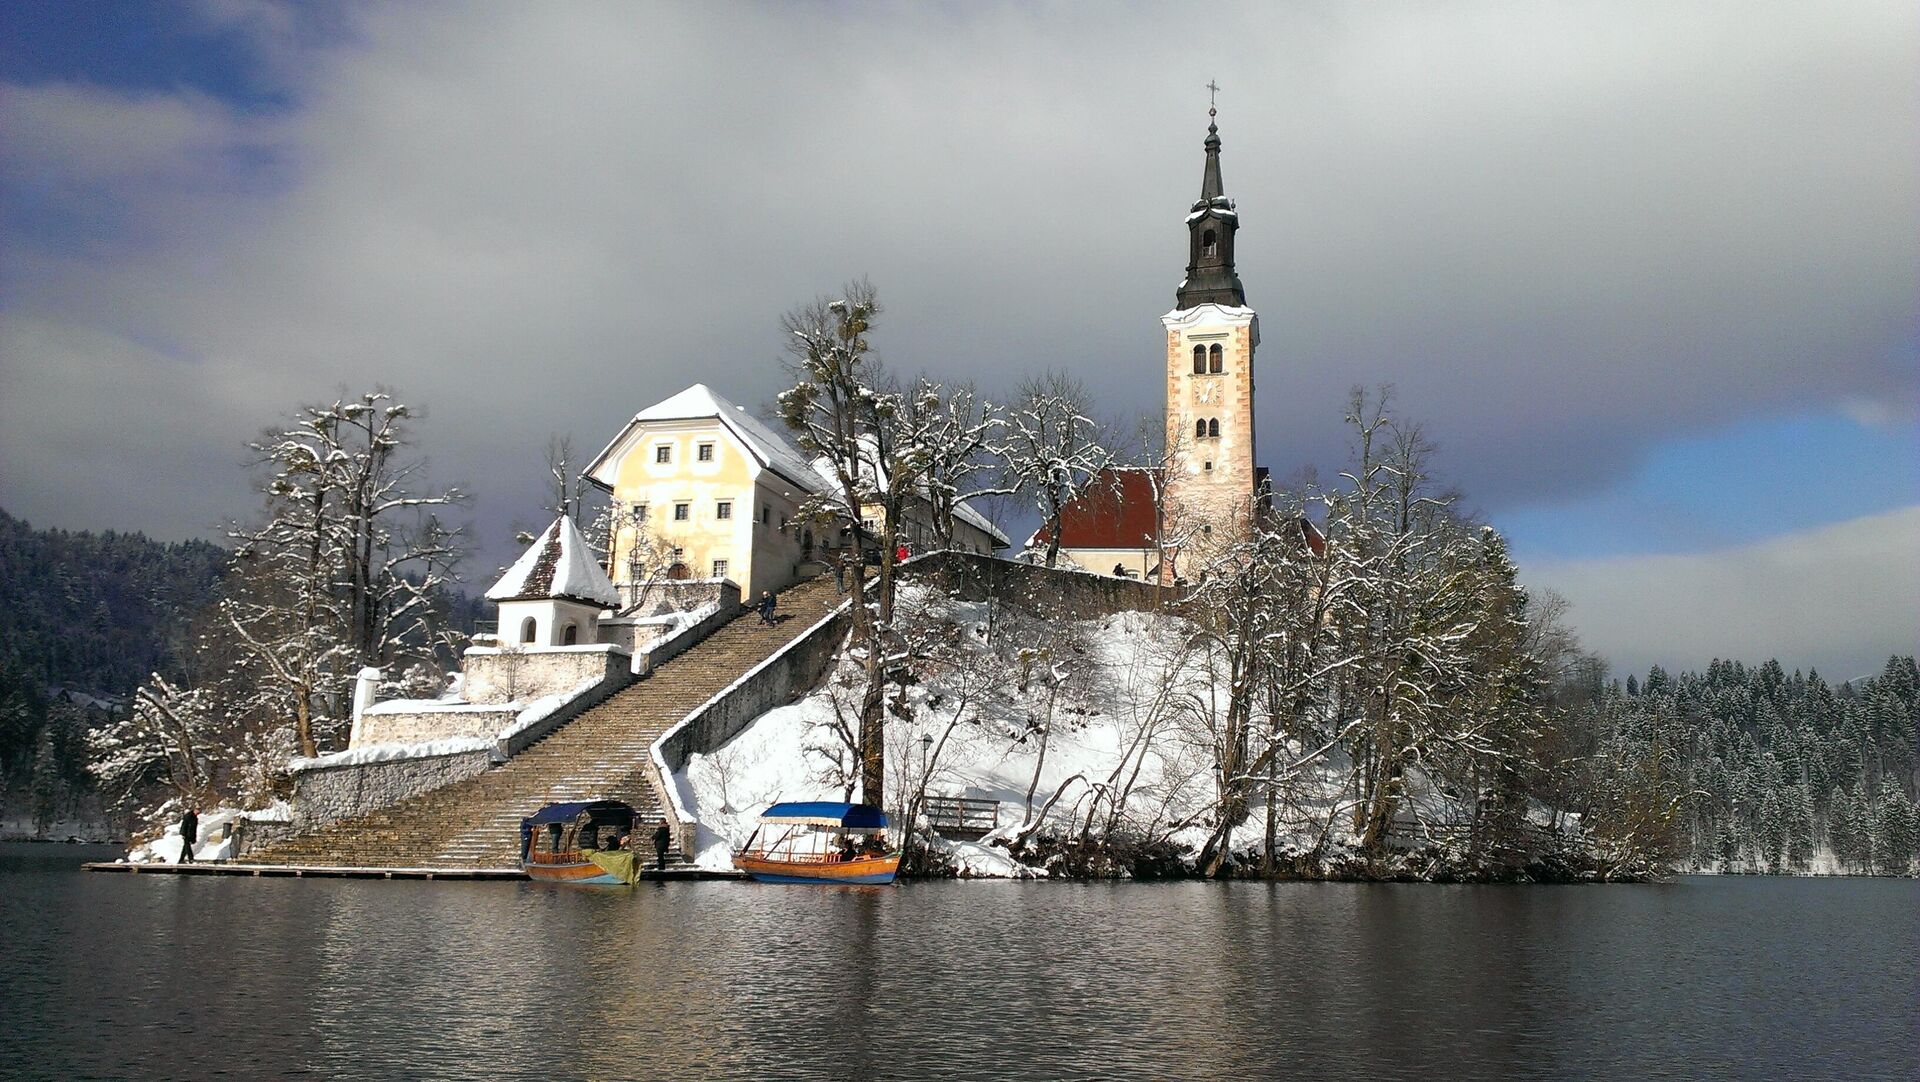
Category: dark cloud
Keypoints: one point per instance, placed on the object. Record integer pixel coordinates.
(1565, 233)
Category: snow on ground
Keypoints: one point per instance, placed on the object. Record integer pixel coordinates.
(166, 848)
(1113, 729)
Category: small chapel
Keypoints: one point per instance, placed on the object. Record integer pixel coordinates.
(1140, 522)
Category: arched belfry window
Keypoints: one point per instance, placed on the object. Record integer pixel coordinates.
(1199, 430)
(571, 636)
(526, 630)
(1214, 357)
(1213, 429)
(1208, 243)
(1199, 360)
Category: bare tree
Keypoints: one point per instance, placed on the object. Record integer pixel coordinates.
(1053, 450)
(840, 417)
(957, 431)
(351, 560)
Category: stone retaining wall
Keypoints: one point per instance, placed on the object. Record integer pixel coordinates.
(402, 726)
(779, 680)
(330, 793)
(1067, 595)
(496, 674)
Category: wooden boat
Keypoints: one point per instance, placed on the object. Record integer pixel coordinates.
(820, 842)
(580, 844)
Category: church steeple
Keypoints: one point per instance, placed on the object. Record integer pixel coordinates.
(1210, 227)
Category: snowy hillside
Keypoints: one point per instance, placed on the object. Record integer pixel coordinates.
(1095, 729)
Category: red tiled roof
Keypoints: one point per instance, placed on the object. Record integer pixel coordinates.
(1117, 511)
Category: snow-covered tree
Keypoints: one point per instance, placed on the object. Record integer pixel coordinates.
(349, 562)
(170, 740)
(840, 417)
(1053, 450)
(956, 432)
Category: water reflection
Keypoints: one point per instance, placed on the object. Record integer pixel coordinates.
(109, 976)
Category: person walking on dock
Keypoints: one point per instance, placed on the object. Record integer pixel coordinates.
(766, 606)
(662, 838)
(189, 833)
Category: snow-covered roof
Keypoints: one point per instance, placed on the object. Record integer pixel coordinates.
(557, 565)
(823, 469)
(700, 401)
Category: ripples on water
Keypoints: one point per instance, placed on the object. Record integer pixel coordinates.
(162, 976)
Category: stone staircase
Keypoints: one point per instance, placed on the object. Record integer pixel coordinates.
(602, 754)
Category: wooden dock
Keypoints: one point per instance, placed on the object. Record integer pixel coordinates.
(296, 871)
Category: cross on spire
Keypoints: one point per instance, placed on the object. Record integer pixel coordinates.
(1213, 87)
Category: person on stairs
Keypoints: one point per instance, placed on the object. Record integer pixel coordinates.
(766, 606)
(662, 838)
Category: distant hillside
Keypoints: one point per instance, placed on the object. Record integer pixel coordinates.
(96, 611)
(83, 617)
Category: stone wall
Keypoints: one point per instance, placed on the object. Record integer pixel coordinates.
(398, 722)
(1068, 595)
(328, 794)
(501, 674)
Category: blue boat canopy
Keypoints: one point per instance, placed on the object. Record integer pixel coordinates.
(565, 813)
(827, 813)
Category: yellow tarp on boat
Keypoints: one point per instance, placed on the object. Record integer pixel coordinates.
(620, 863)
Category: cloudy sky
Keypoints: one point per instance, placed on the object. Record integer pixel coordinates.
(1646, 272)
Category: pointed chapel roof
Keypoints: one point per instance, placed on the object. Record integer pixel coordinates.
(557, 565)
(700, 401)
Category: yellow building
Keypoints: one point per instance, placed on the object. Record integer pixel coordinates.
(704, 490)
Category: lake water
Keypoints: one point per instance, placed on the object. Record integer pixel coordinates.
(114, 976)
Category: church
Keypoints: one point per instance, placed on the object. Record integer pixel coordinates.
(1154, 522)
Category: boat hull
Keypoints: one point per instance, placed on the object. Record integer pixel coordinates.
(866, 870)
(576, 875)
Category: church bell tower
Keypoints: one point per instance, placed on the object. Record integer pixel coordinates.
(1210, 493)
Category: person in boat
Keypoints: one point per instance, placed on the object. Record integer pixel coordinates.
(662, 838)
(847, 849)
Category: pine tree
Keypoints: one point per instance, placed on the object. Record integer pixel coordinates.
(1898, 833)
(1845, 834)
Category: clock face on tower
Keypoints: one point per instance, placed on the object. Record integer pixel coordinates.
(1207, 392)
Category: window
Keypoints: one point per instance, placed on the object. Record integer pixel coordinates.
(1199, 360)
(663, 453)
(1213, 357)
(678, 553)
(571, 635)
(1209, 464)
(1199, 430)
(704, 453)
(766, 515)
(723, 509)
(679, 512)
(526, 630)
(639, 512)
(1213, 429)
(1207, 243)
(719, 569)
